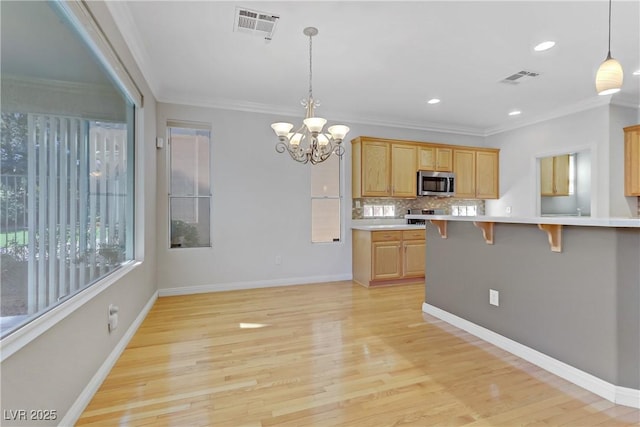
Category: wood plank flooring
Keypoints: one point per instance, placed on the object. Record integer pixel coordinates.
(332, 354)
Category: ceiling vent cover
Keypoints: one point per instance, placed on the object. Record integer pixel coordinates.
(259, 24)
(519, 77)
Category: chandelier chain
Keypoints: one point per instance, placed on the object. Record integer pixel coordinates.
(310, 67)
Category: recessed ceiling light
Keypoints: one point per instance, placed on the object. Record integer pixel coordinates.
(515, 113)
(433, 101)
(636, 73)
(544, 46)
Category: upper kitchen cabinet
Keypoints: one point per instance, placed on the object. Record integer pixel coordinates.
(388, 168)
(382, 168)
(464, 166)
(403, 171)
(487, 174)
(477, 173)
(632, 161)
(432, 158)
(554, 175)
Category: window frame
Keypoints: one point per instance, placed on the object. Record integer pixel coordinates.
(80, 20)
(339, 197)
(193, 125)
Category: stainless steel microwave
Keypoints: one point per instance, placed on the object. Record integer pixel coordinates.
(436, 183)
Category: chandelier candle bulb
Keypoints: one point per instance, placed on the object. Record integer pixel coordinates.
(282, 129)
(315, 124)
(338, 132)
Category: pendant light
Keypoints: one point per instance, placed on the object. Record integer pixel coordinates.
(609, 76)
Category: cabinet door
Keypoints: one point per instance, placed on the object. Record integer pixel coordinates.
(487, 180)
(554, 176)
(444, 159)
(376, 168)
(632, 161)
(546, 176)
(426, 158)
(435, 159)
(386, 260)
(464, 166)
(414, 258)
(403, 170)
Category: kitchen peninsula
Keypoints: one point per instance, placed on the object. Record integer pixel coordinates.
(567, 288)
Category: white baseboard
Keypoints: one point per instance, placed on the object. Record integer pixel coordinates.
(611, 392)
(234, 286)
(74, 412)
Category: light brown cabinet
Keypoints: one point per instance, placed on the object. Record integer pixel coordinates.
(464, 166)
(487, 174)
(477, 173)
(554, 176)
(432, 158)
(632, 161)
(383, 169)
(403, 171)
(387, 168)
(388, 257)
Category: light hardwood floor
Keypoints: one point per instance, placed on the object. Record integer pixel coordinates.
(333, 354)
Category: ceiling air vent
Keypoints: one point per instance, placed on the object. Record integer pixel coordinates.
(519, 77)
(259, 24)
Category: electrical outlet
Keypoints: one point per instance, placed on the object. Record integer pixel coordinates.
(113, 317)
(278, 259)
(508, 210)
(494, 297)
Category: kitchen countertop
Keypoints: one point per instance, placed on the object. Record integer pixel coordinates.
(559, 220)
(388, 227)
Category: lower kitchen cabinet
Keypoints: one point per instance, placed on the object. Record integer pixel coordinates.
(388, 257)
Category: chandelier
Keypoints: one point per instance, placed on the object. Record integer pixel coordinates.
(308, 143)
(609, 76)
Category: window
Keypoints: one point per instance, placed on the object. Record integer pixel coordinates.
(325, 201)
(572, 173)
(190, 197)
(66, 188)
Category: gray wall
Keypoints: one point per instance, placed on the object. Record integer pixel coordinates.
(261, 205)
(598, 130)
(52, 370)
(579, 306)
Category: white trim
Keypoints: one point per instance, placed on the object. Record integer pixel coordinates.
(627, 397)
(32, 330)
(76, 409)
(611, 392)
(587, 104)
(81, 18)
(234, 286)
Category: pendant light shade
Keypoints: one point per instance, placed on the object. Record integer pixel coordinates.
(609, 76)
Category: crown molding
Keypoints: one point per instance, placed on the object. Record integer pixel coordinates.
(124, 21)
(586, 104)
(272, 109)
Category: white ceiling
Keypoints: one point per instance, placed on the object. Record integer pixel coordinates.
(379, 62)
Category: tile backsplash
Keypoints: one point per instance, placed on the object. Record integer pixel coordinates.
(402, 205)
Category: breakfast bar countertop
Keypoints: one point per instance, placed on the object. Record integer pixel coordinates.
(555, 220)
